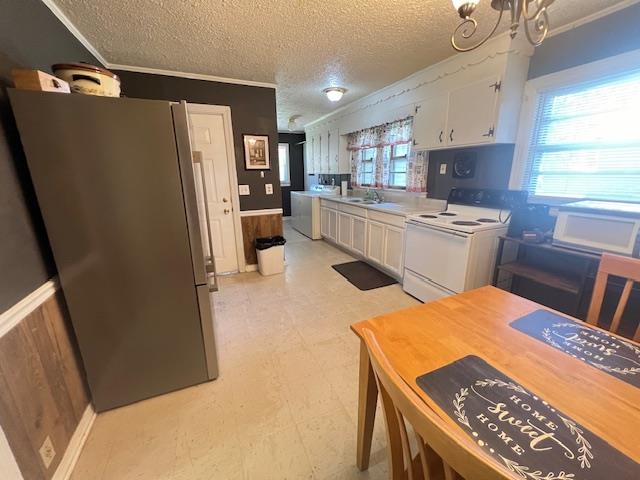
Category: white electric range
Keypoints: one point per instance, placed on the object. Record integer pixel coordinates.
(454, 250)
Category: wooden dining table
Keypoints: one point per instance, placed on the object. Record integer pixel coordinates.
(427, 337)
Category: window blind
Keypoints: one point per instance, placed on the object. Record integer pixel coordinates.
(586, 141)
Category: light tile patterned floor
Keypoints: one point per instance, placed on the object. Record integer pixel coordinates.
(285, 404)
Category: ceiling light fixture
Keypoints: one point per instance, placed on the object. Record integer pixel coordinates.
(334, 94)
(293, 122)
(533, 14)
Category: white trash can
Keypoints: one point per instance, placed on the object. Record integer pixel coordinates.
(270, 255)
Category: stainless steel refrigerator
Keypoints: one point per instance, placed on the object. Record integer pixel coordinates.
(114, 182)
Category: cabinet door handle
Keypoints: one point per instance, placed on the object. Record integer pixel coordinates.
(440, 136)
(451, 135)
(489, 133)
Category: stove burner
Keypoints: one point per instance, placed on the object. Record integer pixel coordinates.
(465, 222)
(447, 214)
(428, 216)
(487, 220)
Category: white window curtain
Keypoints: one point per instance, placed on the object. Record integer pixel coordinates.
(371, 153)
(586, 141)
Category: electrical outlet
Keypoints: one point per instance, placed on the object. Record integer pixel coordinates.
(268, 188)
(47, 452)
(443, 168)
(243, 190)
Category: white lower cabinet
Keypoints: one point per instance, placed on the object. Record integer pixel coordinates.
(344, 229)
(375, 241)
(333, 225)
(324, 222)
(393, 248)
(376, 236)
(359, 235)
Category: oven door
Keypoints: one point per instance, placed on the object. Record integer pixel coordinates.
(438, 254)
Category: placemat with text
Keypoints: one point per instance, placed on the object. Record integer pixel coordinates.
(605, 352)
(520, 430)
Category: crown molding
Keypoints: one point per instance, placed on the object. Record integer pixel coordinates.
(192, 76)
(74, 31)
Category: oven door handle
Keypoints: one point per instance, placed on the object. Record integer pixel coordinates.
(414, 223)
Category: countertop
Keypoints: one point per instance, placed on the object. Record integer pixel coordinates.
(395, 208)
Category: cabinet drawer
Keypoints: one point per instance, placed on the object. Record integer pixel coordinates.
(328, 203)
(353, 210)
(388, 218)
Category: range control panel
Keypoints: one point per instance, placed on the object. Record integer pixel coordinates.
(487, 197)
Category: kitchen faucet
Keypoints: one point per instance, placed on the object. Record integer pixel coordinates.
(374, 195)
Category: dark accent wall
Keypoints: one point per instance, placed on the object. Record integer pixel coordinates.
(296, 168)
(253, 111)
(493, 169)
(605, 37)
(30, 37)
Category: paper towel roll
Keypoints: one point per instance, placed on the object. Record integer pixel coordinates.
(343, 188)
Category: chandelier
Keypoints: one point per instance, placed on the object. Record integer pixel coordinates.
(531, 13)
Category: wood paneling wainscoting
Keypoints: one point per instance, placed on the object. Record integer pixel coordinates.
(256, 224)
(43, 390)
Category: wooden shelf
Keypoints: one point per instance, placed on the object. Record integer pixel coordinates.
(553, 280)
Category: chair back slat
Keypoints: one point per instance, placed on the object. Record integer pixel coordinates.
(619, 266)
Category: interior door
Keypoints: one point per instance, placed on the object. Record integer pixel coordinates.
(214, 195)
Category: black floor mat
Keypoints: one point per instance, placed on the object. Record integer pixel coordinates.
(363, 275)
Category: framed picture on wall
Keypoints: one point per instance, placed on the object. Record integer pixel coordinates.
(256, 152)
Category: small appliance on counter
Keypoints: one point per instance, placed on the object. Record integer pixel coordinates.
(532, 219)
(597, 226)
(88, 79)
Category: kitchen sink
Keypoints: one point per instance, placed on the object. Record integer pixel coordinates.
(355, 200)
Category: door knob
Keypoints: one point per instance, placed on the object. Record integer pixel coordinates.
(224, 200)
(226, 211)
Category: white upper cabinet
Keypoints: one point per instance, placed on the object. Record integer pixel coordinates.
(327, 151)
(471, 116)
(334, 145)
(308, 155)
(467, 115)
(430, 122)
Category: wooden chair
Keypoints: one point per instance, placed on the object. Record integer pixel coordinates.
(444, 452)
(626, 267)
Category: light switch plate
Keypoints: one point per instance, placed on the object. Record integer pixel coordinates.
(268, 188)
(243, 190)
(443, 168)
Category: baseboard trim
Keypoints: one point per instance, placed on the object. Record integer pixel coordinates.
(251, 268)
(256, 213)
(68, 462)
(28, 304)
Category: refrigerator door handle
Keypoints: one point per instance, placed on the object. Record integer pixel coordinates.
(183, 142)
(208, 333)
(210, 260)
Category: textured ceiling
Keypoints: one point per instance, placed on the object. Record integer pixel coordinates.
(301, 45)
